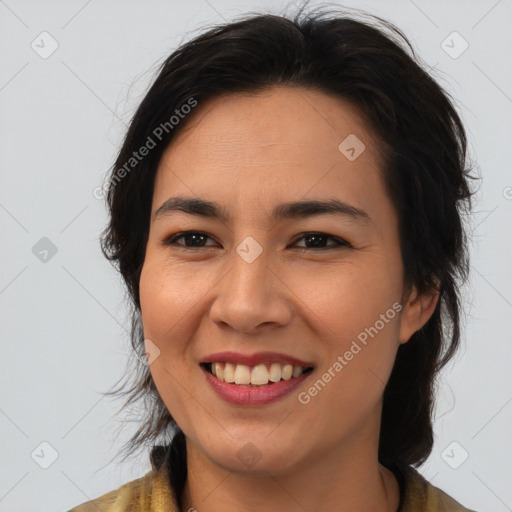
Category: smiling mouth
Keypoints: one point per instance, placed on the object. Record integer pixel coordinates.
(263, 374)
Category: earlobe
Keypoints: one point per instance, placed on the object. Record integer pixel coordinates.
(417, 311)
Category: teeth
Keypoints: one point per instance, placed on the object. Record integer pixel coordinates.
(297, 370)
(275, 372)
(242, 374)
(218, 370)
(259, 376)
(229, 372)
(287, 372)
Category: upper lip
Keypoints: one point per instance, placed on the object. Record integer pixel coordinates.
(254, 359)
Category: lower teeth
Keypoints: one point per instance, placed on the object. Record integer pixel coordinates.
(253, 385)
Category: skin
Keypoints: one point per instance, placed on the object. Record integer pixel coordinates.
(250, 153)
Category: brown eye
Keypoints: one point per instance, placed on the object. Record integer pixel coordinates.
(318, 241)
(314, 241)
(193, 239)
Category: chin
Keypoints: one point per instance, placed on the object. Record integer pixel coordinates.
(255, 456)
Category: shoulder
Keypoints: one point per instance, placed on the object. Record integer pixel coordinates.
(421, 495)
(150, 493)
(123, 499)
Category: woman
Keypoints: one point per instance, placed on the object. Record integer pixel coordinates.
(286, 211)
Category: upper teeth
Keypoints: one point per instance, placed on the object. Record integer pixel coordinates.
(259, 375)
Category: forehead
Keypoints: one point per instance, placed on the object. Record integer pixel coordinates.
(280, 144)
(289, 118)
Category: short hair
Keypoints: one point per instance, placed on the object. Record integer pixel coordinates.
(371, 64)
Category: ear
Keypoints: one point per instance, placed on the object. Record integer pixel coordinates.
(417, 311)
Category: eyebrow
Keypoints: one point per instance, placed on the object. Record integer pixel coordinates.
(287, 210)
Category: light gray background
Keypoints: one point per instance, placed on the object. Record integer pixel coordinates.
(64, 323)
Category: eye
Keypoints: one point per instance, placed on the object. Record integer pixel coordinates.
(196, 239)
(318, 240)
(313, 240)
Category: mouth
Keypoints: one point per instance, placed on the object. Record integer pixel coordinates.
(259, 375)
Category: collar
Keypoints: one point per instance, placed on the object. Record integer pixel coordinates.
(156, 495)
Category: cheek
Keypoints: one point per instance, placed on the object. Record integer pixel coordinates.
(357, 312)
(166, 307)
(166, 296)
(349, 298)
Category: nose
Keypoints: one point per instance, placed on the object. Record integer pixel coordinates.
(252, 297)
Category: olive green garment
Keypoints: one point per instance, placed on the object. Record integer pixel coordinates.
(152, 493)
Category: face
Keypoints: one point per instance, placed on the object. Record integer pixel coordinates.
(311, 284)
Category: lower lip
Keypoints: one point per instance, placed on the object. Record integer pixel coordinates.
(245, 395)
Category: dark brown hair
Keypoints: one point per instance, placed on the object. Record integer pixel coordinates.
(370, 63)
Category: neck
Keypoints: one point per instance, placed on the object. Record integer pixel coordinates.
(347, 479)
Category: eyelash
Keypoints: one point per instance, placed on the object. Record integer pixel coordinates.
(339, 241)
